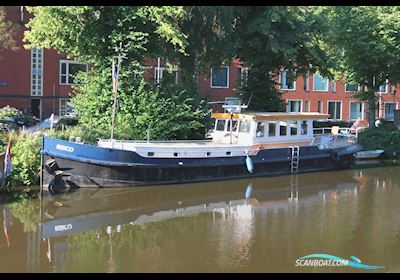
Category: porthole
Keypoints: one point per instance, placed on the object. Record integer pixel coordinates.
(175, 154)
(228, 153)
(150, 154)
(208, 154)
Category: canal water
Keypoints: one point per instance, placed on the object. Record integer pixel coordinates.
(251, 225)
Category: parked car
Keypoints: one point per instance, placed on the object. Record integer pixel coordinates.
(24, 121)
(8, 125)
(58, 123)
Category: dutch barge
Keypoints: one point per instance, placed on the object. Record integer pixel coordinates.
(242, 145)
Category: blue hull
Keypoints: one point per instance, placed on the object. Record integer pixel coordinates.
(71, 164)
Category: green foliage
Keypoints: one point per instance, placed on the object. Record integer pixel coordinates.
(363, 42)
(7, 32)
(7, 112)
(25, 155)
(385, 137)
(269, 39)
(91, 33)
(171, 111)
(27, 211)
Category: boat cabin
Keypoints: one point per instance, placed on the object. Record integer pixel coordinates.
(264, 128)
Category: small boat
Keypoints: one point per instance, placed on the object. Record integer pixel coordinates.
(372, 154)
(243, 145)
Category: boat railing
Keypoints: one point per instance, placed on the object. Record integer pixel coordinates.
(334, 137)
(155, 141)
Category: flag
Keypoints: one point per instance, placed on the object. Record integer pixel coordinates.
(356, 124)
(51, 119)
(7, 160)
(115, 77)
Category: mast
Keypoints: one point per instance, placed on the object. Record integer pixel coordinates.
(115, 71)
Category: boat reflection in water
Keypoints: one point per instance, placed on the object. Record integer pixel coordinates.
(233, 206)
(78, 210)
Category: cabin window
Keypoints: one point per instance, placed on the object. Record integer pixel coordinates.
(260, 129)
(304, 127)
(293, 127)
(271, 129)
(244, 126)
(234, 125)
(282, 128)
(220, 125)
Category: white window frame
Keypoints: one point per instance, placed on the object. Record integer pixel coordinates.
(384, 107)
(327, 84)
(306, 78)
(322, 106)
(341, 108)
(280, 82)
(59, 107)
(37, 66)
(162, 69)
(362, 110)
(334, 86)
(68, 62)
(227, 82)
(287, 104)
(307, 108)
(345, 89)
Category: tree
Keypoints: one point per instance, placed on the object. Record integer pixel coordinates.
(364, 43)
(269, 39)
(209, 31)
(90, 34)
(7, 32)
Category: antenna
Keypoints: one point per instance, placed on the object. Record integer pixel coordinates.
(248, 102)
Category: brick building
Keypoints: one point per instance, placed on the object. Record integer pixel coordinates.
(37, 81)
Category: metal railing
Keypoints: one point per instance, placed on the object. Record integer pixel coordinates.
(334, 137)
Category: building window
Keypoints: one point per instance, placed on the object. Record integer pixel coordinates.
(335, 109)
(68, 71)
(241, 76)
(306, 106)
(319, 108)
(157, 71)
(332, 86)
(65, 107)
(220, 77)
(305, 83)
(351, 88)
(320, 83)
(294, 106)
(285, 82)
(356, 110)
(37, 71)
(382, 88)
(389, 111)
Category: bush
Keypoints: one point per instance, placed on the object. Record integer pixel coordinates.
(25, 155)
(385, 137)
(8, 112)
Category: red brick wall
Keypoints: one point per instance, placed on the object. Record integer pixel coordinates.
(15, 70)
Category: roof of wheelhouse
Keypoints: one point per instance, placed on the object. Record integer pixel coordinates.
(263, 116)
